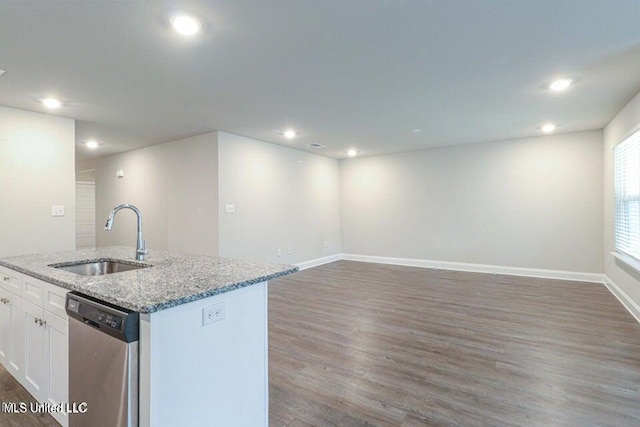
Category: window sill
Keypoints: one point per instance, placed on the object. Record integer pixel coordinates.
(627, 260)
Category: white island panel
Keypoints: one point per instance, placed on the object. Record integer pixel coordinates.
(213, 375)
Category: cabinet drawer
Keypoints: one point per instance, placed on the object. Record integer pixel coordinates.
(54, 299)
(11, 280)
(33, 290)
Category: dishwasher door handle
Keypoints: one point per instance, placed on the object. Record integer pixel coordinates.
(91, 323)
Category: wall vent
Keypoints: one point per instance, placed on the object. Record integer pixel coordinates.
(316, 145)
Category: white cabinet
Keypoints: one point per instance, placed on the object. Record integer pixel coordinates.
(54, 298)
(32, 290)
(34, 337)
(12, 334)
(5, 329)
(10, 281)
(34, 351)
(57, 362)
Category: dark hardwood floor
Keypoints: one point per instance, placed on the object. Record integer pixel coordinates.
(354, 344)
(12, 391)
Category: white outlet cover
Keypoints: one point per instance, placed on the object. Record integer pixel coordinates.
(57, 210)
(1, 72)
(214, 313)
(229, 208)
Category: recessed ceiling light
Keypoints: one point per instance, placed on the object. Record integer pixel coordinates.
(560, 85)
(185, 25)
(51, 103)
(290, 134)
(91, 144)
(548, 128)
(352, 152)
(416, 130)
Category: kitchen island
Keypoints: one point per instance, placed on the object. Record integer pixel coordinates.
(195, 367)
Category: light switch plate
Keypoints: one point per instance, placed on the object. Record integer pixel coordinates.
(57, 210)
(229, 208)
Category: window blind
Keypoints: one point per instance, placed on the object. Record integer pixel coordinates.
(627, 196)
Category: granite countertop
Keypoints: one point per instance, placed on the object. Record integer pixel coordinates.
(173, 278)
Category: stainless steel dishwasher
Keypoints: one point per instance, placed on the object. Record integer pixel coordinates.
(103, 362)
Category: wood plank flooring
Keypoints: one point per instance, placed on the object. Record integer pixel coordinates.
(12, 391)
(355, 344)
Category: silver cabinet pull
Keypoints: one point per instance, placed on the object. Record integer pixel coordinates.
(5, 278)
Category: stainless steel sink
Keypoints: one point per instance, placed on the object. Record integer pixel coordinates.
(98, 267)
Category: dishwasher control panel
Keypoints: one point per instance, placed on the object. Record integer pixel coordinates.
(115, 321)
(110, 320)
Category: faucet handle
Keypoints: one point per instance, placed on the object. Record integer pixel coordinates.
(143, 250)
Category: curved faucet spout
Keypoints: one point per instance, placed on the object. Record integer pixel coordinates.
(141, 249)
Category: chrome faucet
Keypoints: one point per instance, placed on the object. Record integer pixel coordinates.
(141, 250)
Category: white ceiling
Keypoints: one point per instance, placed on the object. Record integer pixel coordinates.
(343, 73)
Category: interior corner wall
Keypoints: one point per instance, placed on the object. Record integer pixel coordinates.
(625, 122)
(36, 172)
(525, 203)
(283, 198)
(175, 187)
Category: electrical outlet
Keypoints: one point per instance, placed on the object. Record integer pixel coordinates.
(214, 313)
(229, 208)
(279, 252)
(326, 244)
(289, 250)
(57, 210)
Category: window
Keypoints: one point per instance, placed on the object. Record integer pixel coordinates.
(627, 196)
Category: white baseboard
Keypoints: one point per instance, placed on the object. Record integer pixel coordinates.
(480, 268)
(631, 306)
(318, 261)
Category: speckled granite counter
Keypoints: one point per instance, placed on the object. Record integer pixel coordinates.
(172, 279)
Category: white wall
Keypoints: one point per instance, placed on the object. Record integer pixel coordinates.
(283, 198)
(615, 132)
(36, 171)
(528, 203)
(174, 185)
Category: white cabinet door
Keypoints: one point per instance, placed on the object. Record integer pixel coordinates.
(5, 329)
(11, 281)
(57, 356)
(35, 374)
(12, 334)
(54, 299)
(32, 290)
